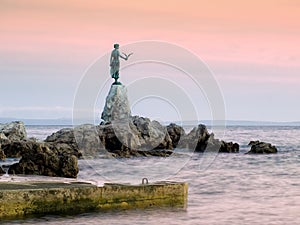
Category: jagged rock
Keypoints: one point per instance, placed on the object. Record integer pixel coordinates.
(69, 166)
(136, 136)
(152, 134)
(13, 131)
(229, 147)
(88, 140)
(117, 105)
(2, 172)
(64, 141)
(65, 135)
(39, 159)
(129, 136)
(126, 132)
(117, 137)
(2, 154)
(258, 147)
(15, 149)
(3, 138)
(197, 139)
(137, 133)
(175, 132)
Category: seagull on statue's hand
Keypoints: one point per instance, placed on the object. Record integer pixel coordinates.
(127, 56)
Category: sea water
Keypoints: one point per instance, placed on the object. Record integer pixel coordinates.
(230, 189)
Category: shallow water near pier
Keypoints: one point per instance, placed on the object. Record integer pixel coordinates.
(234, 189)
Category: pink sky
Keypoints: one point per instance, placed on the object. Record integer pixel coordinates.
(66, 36)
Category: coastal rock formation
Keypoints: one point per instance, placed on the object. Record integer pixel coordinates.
(15, 149)
(133, 137)
(229, 147)
(3, 139)
(2, 172)
(197, 139)
(175, 132)
(137, 133)
(201, 140)
(151, 134)
(137, 136)
(2, 154)
(13, 131)
(258, 147)
(121, 131)
(117, 105)
(39, 159)
(64, 141)
(49, 159)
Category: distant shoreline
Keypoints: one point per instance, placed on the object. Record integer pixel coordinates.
(228, 123)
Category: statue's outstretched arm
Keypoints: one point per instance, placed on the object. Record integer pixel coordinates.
(125, 58)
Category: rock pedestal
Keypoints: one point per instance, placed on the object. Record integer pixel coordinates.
(117, 105)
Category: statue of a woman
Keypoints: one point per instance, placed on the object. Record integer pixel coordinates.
(115, 62)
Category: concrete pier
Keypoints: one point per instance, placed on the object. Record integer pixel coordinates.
(19, 199)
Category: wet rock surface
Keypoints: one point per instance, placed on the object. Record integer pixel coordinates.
(175, 132)
(229, 147)
(2, 172)
(40, 159)
(2, 154)
(259, 147)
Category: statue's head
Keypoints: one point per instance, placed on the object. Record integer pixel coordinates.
(116, 45)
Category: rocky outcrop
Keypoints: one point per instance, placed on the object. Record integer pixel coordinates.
(201, 140)
(123, 138)
(131, 137)
(138, 136)
(229, 147)
(10, 132)
(16, 149)
(258, 147)
(117, 105)
(2, 172)
(64, 141)
(2, 154)
(3, 139)
(197, 139)
(39, 159)
(151, 134)
(176, 133)
(49, 159)
(13, 131)
(135, 135)
(121, 133)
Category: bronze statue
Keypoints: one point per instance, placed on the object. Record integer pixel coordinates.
(115, 63)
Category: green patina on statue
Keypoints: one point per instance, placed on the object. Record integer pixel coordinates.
(115, 63)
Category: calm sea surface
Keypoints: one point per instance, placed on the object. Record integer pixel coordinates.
(223, 188)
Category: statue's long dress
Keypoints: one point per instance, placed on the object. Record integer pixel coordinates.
(115, 64)
(114, 69)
